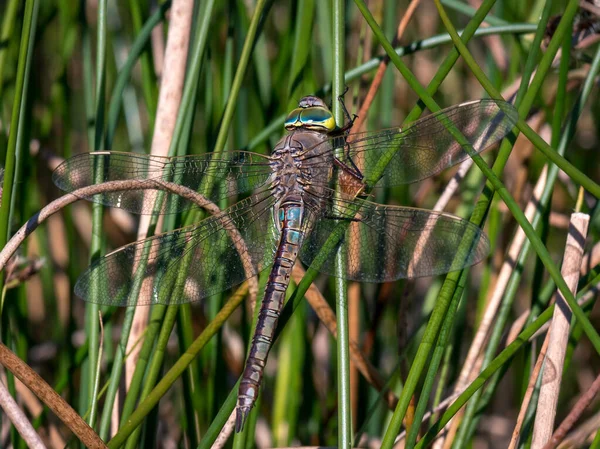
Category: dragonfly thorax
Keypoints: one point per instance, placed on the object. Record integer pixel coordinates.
(298, 163)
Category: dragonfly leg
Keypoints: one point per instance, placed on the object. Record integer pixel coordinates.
(349, 119)
(352, 169)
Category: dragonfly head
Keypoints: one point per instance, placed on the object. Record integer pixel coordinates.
(312, 114)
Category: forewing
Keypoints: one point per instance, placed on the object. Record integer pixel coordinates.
(386, 243)
(426, 147)
(197, 261)
(229, 173)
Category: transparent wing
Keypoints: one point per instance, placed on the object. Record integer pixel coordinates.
(199, 261)
(385, 243)
(231, 173)
(425, 147)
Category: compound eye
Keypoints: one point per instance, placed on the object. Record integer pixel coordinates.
(318, 119)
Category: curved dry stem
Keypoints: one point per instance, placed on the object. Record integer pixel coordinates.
(113, 186)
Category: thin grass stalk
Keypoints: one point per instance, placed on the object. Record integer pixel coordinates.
(136, 52)
(168, 116)
(95, 109)
(18, 103)
(341, 288)
(183, 109)
(540, 144)
(149, 88)
(530, 393)
(432, 42)
(113, 115)
(438, 354)
(565, 138)
(539, 205)
(200, 379)
(239, 77)
(511, 204)
(468, 10)
(8, 23)
(496, 364)
(18, 132)
(156, 362)
(137, 379)
(177, 369)
(192, 378)
(22, 125)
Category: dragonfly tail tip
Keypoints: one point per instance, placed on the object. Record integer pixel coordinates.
(241, 413)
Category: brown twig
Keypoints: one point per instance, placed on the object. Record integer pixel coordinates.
(51, 398)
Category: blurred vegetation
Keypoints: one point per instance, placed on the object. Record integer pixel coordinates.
(65, 89)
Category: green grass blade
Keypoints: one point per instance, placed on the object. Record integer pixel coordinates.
(575, 174)
(341, 287)
(19, 103)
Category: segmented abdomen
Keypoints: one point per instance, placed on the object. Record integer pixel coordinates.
(289, 245)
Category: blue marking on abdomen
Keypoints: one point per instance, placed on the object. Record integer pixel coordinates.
(293, 237)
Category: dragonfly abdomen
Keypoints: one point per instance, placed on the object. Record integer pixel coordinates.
(290, 217)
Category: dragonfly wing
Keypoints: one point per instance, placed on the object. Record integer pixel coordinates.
(230, 173)
(197, 261)
(426, 147)
(386, 243)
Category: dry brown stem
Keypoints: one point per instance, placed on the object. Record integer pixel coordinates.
(50, 397)
(169, 99)
(112, 186)
(559, 333)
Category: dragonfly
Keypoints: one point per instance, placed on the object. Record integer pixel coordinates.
(312, 192)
